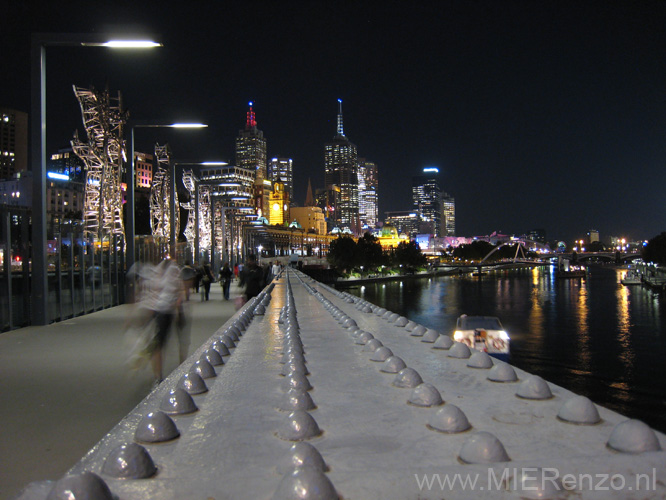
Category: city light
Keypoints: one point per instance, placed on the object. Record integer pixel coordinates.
(126, 44)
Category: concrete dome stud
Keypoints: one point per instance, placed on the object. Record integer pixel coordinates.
(85, 486)
(178, 402)
(483, 448)
(349, 322)
(372, 345)
(228, 341)
(297, 399)
(459, 351)
(387, 314)
(425, 395)
(301, 454)
(305, 483)
(393, 318)
(292, 355)
(502, 372)
(156, 427)
(407, 378)
(213, 357)
(450, 420)
(480, 360)
(410, 325)
(299, 425)
(364, 338)
(401, 321)
(366, 309)
(443, 342)
(129, 461)
(418, 331)
(633, 436)
(204, 368)
(579, 410)
(295, 366)
(234, 332)
(219, 346)
(380, 311)
(192, 383)
(430, 336)
(534, 387)
(393, 365)
(381, 354)
(296, 380)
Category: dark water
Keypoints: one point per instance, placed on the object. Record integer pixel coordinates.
(595, 337)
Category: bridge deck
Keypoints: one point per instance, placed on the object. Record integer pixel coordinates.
(375, 444)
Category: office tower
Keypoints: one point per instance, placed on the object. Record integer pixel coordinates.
(281, 169)
(405, 221)
(66, 162)
(427, 198)
(13, 142)
(367, 193)
(143, 168)
(449, 207)
(341, 171)
(251, 147)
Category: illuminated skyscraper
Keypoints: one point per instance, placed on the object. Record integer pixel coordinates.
(449, 206)
(427, 198)
(341, 170)
(251, 147)
(13, 142)
(367, 193)
(281, 169)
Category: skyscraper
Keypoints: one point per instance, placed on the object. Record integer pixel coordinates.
(341, 170)
(13, 142)
(367, 193)
(449, 207)
(427, 198)
(281, 169)
(251, 147)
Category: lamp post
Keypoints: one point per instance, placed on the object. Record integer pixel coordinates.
(131, 227)
(39, 43)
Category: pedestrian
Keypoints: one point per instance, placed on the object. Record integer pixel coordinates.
(252, 278)
(276, 269)
(168, 298)
(206, 279)
(236, 271)
(225, 280)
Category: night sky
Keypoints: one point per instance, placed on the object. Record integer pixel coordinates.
(539, 114)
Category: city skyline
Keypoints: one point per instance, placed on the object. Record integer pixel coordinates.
(537, 115)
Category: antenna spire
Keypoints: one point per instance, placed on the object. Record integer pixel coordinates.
(340, 129)
(251, 120)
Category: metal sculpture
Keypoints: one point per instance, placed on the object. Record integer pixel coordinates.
(160, 191)
(102, 154)
(191, 183)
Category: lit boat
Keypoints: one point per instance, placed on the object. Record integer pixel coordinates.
(483, 333)
(631, 278)
(565, 269)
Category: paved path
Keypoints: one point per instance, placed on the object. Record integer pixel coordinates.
(65, 385)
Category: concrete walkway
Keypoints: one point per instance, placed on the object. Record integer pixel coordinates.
(65, 385)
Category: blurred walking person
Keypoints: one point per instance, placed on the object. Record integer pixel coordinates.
(225, 280)
(206, 279)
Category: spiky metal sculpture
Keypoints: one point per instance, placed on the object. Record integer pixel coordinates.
(189, 180)
(160, 190)
(102, 154)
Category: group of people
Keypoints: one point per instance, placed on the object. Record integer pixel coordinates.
(160, 293)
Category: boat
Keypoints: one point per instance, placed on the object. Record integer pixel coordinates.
(632, 278)
(483, 333)
(565, 269)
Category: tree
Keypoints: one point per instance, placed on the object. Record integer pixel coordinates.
(342, 254)
(409, 254)
(369, 252)
(655, 250)
(476, 250)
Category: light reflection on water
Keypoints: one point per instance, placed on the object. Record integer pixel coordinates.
(595, 337)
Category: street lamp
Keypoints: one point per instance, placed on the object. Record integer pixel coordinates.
(131, 231)
(40, 41)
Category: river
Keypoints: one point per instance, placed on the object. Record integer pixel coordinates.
(593, 336)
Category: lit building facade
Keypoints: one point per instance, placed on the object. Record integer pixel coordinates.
(66, 162)
(251, 147)
(143, 169)
(13, 142)
(279, 205)
(367, 193)
(427, 200)
(234, 186)
(405, 222)
(281, 169)
(341, 170)
(309, 218)
(449, 208)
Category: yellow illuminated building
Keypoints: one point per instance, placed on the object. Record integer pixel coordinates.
(390, 238)
(279, 205)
